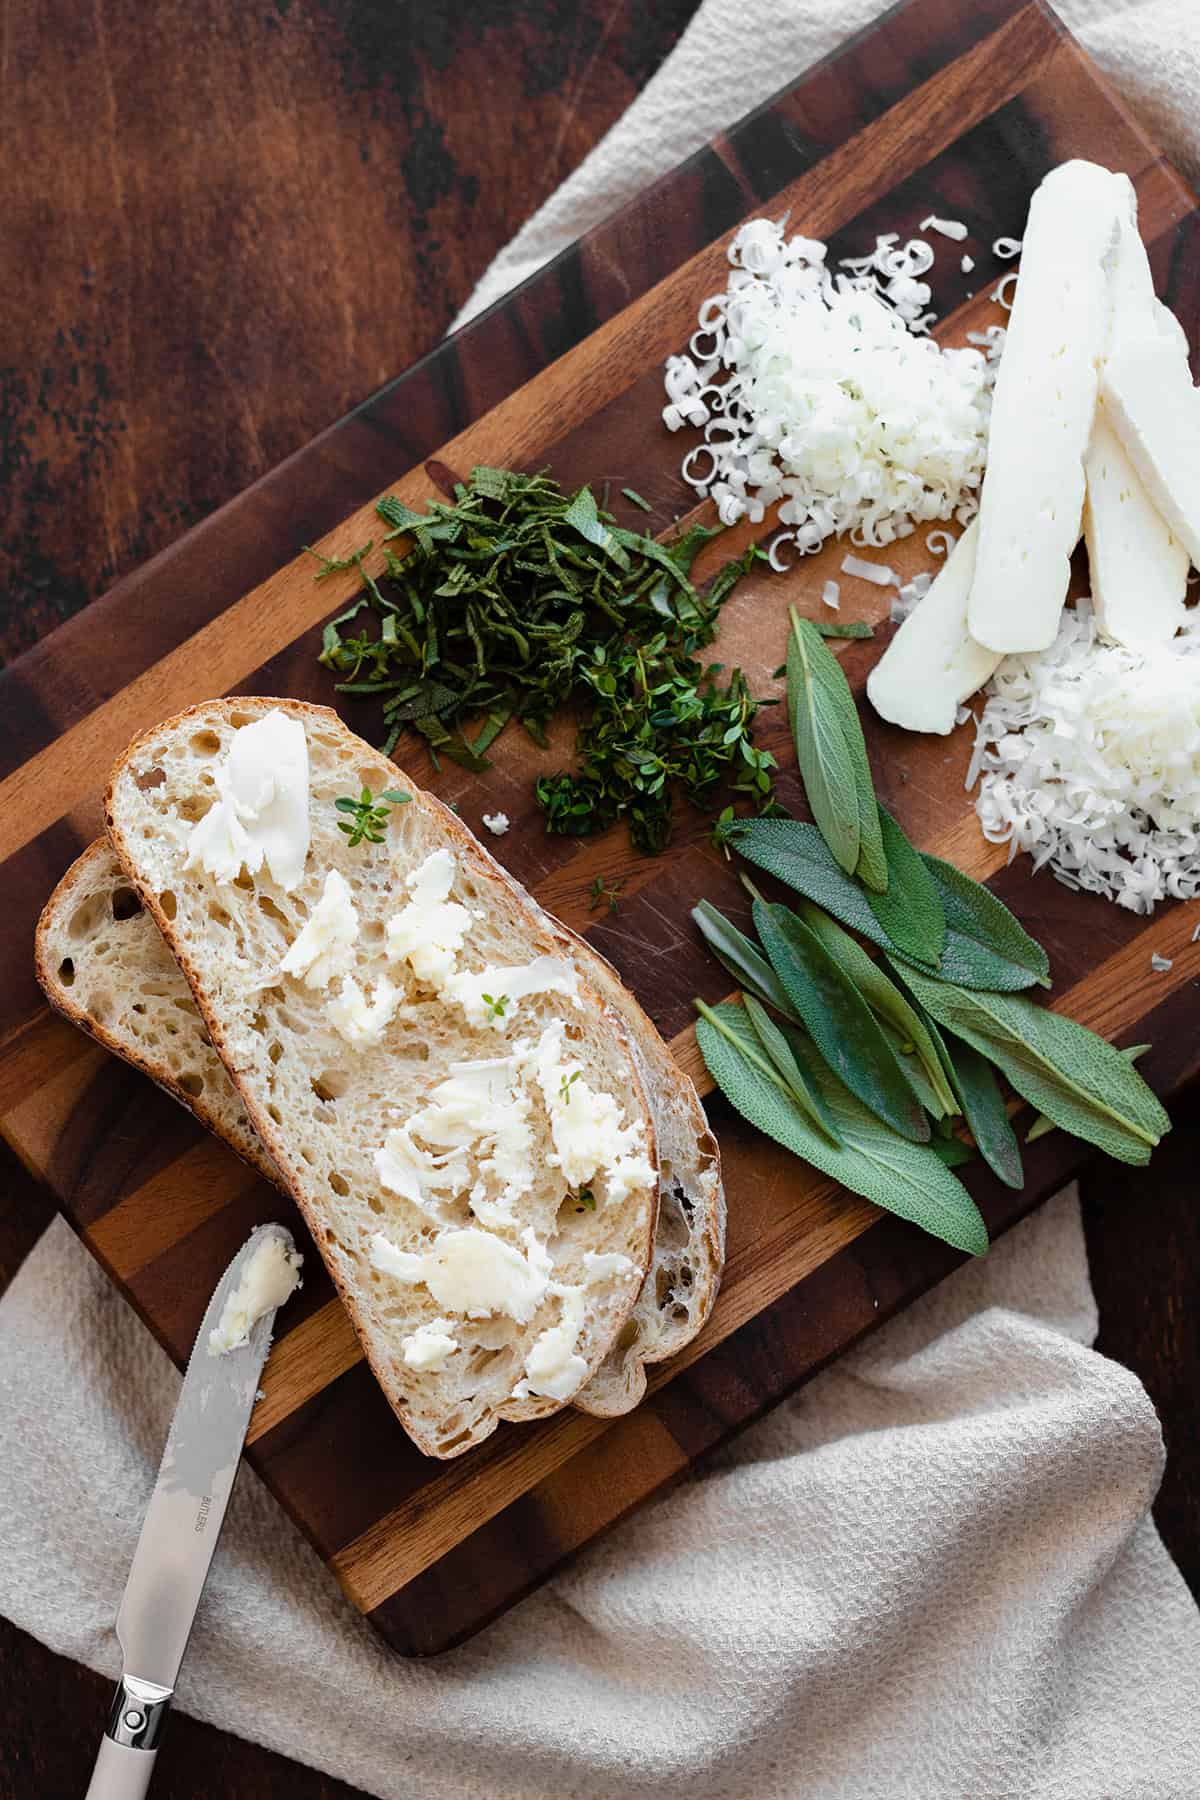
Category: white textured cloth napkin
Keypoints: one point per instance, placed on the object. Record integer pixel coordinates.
(930, 1576)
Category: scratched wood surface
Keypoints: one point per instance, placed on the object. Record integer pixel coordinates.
(952, 109)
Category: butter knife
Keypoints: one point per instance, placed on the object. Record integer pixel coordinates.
(180, 1531)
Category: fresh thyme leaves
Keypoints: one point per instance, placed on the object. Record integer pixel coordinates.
(368, 816)
(496, 1005)
(585, 1200)
(515, 598)
(567, 1083)
(658, 718)
(602, 893)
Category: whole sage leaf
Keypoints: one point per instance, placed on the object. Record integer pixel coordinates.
(826, 674)
(797, 854)
(840, 1022)
(1042, 1126)
(985, 1112)
(745, 963)
(974, 914)
(1078, 1080)
(905, 1178)
(910, 909)
(902, 1023)
(780, 1054)
(826, 765)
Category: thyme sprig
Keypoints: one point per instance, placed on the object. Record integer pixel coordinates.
(368, 816)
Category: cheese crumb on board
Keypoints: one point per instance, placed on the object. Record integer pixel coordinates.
(497, 823)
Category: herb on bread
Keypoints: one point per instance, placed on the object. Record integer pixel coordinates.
(514, 598)
(368, 816)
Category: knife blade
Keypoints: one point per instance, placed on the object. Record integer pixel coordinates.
(179, 1532)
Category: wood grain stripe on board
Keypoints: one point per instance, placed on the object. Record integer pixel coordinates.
(218, 657)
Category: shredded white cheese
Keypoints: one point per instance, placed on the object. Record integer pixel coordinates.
(497, 823)
(967, 264)
(1162, 965)
(1089, 758)
(1005, 290)
(831, 594)
(1006, 248)
(1196, 935)
(820, 393)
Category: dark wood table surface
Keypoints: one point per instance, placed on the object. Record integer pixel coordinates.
(224, 227)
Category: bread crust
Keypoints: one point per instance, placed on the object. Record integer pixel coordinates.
(275, 1137)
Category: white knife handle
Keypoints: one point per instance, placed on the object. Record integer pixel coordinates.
(121, 1773)
(130, 1742)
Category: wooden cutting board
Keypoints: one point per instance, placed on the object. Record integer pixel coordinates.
(954, 109)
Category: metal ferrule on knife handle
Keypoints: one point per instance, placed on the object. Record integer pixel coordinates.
(138, 1713)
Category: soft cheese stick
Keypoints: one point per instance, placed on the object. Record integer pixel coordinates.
(1138, 566)
(1147, 390)
(933, 663)
(1031, 507)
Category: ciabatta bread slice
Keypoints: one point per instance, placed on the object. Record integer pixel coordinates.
(104, 963)
(458, 1114)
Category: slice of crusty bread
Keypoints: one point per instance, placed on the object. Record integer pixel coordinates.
(104, 963)
(323, 1110)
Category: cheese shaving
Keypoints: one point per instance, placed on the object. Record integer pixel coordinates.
(1162, 965)
(1006, 248)
(907, 597)
(879, 573)
(1089, 759)
(820, 394)
(831, 595)
(951, 228)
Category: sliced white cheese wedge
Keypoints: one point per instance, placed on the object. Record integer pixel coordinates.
(1031, 507)
(1148, 394)
(1138, 566)
(933, 663)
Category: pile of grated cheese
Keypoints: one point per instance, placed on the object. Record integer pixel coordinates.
(1088, 756)
(822, 393)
